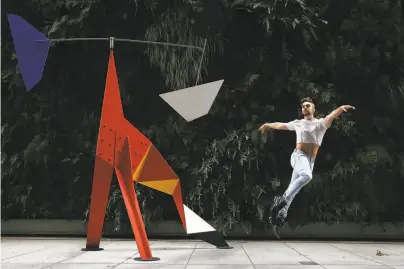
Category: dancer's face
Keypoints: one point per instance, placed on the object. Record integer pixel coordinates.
(307, 109)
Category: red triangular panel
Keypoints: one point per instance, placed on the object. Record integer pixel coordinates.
(155, 167)
(112, 112)
(139, 144)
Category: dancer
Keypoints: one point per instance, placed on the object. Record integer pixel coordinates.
(309, 136)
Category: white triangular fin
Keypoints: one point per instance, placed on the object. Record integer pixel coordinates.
(196, 224)
(195, 102)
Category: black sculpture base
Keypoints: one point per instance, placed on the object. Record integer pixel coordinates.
(213, 238)
(92, 249)
(225, 247)
(140, 259)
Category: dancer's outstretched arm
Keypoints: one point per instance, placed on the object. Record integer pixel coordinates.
(333, 115)
(274, 125)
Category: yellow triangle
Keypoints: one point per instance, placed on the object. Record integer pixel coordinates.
(166, 186)
(136, 174)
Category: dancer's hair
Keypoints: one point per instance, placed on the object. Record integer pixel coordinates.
(306, 99)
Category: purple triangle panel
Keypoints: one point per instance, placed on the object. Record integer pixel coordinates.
(31, 48)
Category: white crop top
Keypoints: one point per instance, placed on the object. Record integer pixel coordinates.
(308, 131)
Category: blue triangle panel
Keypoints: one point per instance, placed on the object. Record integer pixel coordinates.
(31, 48)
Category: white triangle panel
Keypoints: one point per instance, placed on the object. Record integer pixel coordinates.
(194, 102)
(196, 224)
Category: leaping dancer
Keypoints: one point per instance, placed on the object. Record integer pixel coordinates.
(309, 136)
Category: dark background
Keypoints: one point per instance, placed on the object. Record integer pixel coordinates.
(270, 55)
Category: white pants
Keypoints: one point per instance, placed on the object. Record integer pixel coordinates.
(302, 174)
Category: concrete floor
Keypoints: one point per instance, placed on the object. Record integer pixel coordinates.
(62, 253)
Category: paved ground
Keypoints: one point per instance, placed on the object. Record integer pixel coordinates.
(60, 253)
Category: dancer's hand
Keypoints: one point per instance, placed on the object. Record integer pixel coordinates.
(263, 127)
(347, 107)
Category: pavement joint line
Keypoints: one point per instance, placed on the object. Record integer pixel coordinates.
(81, 253)
(63, 260)
(168, 248)
(241, 244)
(29, 252)
(54, 262)
(364, 250)
(190, 256)
(119, 263)
(360, 256)
(303, 255)
(131, 257)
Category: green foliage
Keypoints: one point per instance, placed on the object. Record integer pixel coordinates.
(178, 64)
(270, 54)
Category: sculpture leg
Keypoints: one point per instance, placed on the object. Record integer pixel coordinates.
(124, 173)
(99, 199)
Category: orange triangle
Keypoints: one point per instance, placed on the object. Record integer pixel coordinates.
(155, 167)
(139, 167)
(166, 186)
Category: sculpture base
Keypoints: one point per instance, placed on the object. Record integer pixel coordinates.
(213, 238)
(92, 249)
(152, 259)
(225, 247)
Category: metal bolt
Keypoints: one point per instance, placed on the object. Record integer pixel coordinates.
(111, 42)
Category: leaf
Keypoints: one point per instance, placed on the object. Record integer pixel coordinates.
(236, 2)
(323, 21)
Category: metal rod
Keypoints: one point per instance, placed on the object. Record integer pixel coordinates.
(200, 63)
(76, 39)
(158, 43)
(120, 39)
